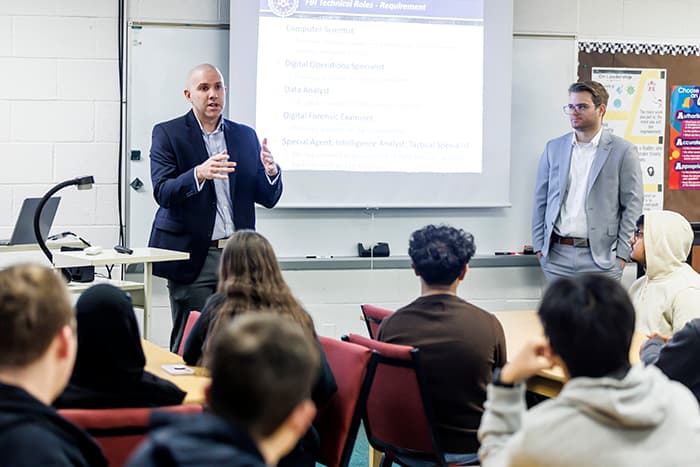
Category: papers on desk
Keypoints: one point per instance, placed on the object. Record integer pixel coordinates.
(177, 369)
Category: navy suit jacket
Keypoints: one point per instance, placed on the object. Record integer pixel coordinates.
(185, 217)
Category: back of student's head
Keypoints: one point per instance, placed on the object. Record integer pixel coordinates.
(439, 253)
(109, 344)
(248, 257)
(262, 366)
(34, 308)
(251, 280)
(589, 321)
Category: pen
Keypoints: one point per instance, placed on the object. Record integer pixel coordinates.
(319, 257)
(506, 253)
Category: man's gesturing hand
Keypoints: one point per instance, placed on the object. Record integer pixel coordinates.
(217, 166)
(267, 160)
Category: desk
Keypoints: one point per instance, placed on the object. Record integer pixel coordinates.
(147, 256)
(193, 385)
(31, 253)
(50, 244)
(519, 326)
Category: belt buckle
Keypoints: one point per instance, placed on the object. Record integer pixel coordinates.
(580, 242)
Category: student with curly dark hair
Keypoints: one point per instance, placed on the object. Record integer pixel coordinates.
(460, 344)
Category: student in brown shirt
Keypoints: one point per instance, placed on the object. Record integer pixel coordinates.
(460, 344)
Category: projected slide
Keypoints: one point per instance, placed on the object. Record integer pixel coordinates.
(372, 86)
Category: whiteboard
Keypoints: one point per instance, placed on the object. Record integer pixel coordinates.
(543, 67)
(159, 59)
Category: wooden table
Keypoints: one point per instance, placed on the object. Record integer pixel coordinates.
(193, 385)
(520, 326)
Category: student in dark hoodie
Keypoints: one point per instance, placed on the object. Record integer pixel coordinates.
(37, 351)
(677, 355)
(262, 369)
(109, 369)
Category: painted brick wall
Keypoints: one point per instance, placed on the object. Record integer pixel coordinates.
(59, 110)
(59, 103)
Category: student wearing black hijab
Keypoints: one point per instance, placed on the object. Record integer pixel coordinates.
(109, 368)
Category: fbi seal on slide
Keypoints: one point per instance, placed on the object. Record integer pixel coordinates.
(283, 8)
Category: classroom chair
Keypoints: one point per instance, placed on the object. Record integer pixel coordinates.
(120, 431)
(396, 409)
(338, 422)
(373, 316)
(189, 324)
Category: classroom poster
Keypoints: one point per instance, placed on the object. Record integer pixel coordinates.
(637, 112)
(684, 146)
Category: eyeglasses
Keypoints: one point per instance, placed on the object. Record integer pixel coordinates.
(577, 108)
(638, 234)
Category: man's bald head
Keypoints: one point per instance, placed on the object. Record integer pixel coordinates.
(206, 92)
(196, 73)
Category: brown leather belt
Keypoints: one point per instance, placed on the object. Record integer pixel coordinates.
(572, 241)
(215, 243)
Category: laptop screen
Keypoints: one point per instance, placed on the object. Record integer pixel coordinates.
(23, 233)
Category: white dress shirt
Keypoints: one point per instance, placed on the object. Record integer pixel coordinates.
(223, 223)
(572, 220)
(215, 142)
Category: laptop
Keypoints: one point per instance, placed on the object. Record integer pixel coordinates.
(23, 234)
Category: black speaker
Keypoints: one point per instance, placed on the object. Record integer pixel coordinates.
(81, 273)
(378, 250)
(78, 273)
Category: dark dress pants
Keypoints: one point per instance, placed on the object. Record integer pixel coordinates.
(188, 297)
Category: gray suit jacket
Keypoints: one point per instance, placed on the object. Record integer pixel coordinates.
(613, 200)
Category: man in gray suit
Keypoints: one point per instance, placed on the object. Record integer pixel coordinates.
(588, 193)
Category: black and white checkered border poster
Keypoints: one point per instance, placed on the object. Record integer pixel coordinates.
(638, 48)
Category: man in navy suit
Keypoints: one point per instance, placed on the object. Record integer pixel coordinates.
(207, 173)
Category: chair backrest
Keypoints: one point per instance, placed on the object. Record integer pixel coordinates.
(338, 422)
(397, 413)
(189, 324)
(120, 431)
(373, 316)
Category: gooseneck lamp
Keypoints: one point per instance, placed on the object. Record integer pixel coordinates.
(83, 183)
